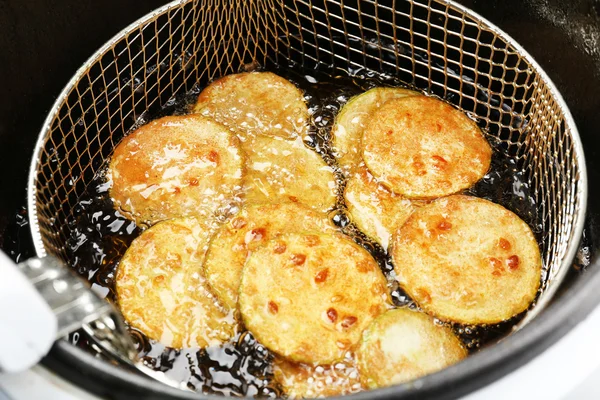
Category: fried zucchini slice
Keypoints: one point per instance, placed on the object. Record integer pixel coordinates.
(374, 209)
(308, 297)
(161, 289)
(176, 167)
(467, 260)
(423, 148)
(352, 120)
(303, 381)
(255, 103)
(402, 345)
(286, 170)
(253, 226)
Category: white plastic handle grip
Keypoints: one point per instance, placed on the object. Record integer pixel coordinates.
(28, 326)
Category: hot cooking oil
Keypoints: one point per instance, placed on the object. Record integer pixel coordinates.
(100, 235)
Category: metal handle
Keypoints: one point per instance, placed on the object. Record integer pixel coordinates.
(69, 297)
(71, 301)
(27, 325)
(77, 306)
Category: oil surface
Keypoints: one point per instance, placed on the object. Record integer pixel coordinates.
(100, 235)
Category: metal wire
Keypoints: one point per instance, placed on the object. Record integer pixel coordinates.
(437, 46)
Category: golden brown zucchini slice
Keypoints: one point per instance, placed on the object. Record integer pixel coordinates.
(467, 260)
(402, 345)
(253, 226)
(303, 381)
(352, 119)
(162, 292)
(254, 103)
(374, 209)
(176, 167)
(286, 170)
(308, 297)
(421, 147)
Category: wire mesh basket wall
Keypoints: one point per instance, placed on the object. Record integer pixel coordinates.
(435, 46)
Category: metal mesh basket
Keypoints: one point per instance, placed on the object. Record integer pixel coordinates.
(437, 46)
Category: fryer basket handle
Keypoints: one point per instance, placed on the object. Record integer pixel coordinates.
(40, 301)
(28, 325)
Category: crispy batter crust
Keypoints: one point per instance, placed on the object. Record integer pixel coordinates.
(467, 260)
(176, 167)
(421, 147)
(255, 103)
(162, 292)
(286, 170)
(252, 227)
(303, 381)
(374, 209)
(402, 345)
(308, 297)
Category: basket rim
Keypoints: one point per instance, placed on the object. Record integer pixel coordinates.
(529, 341)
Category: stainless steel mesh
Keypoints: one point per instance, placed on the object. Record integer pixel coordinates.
(437, 46)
